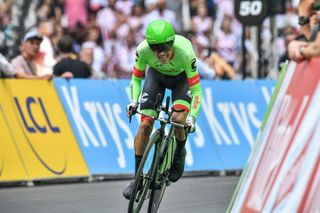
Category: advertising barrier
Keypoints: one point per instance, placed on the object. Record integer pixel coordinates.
(283, 173)
(97, 115)
(256, 145)
(232, 113)
(42, 135)
(227, 125)
(11, 164)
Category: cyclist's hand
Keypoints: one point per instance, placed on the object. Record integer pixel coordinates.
(190, 124)
(132, 108)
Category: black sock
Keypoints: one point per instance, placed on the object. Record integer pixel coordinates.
(180, 145)
(138, 159)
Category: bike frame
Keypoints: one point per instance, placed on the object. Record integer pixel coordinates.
(161, 162)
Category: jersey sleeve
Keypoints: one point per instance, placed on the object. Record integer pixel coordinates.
(138, 72)
(193, 81)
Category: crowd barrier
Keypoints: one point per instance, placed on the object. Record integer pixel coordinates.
(282, 174)
(78, 128)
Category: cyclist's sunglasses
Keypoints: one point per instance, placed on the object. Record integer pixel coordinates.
(163, 47)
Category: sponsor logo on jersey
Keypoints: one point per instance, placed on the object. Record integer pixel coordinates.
(137, 56)
(144, 97)
(189, 94)
(193, 65)
(196, 102)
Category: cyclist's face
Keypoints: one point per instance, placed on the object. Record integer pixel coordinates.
(164, 56)
(163, 51)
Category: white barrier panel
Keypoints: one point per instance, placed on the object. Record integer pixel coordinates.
(283, 173)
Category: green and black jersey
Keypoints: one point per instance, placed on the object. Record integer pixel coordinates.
(183, 60)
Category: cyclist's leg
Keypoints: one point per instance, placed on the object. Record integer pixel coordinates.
(181, 97)
(181, 100)
(151, 88)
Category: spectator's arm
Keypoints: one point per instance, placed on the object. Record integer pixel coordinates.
(294, 50)
(23, 75)
(312, 49)
(221, 63)
(5, 67)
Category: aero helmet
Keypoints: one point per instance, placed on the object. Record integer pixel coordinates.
(160, 35)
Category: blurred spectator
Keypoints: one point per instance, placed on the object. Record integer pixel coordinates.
(98, 4)
(8, 31)
(46, 29)
(124, 57)
(136, 21)
(94, 40)
(227, 42)
(289, 35)
(193, 5)
(224, 7)
(87, 55)
(76, 12)
(121, 27)
(6, 70)
(205, 71)
(161, 12)
(211, 65)
(69, 66)
(107, 24)
(210, 6)
(201, 23)
(125, 6)
(24, 65)
(117, 18)
(224, 71)
(307, 45)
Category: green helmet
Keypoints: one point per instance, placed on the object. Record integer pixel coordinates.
(160, 32)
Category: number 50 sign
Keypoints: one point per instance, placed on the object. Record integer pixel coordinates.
(251, 12)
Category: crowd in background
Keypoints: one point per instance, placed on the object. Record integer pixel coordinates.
(101, 35)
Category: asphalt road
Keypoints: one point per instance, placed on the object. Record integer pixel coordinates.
(188, 195)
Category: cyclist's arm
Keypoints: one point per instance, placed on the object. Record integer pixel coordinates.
(138, 72)
(135, 84)
(194, 85)
(196, 91)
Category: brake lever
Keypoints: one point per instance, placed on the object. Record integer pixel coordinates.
(131, 113)
(130, 116)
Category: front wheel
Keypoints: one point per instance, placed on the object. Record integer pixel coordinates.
(161, 176)
(156, 197)
(145, 174)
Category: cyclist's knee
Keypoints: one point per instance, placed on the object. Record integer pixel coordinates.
(146, 126)
(179, 117)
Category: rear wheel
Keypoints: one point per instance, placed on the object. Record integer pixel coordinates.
(145, 174)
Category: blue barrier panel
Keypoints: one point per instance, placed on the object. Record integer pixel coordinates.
(233, 112)
(229, 119)
(96, 112)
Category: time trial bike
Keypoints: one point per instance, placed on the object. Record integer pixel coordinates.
(152, 176)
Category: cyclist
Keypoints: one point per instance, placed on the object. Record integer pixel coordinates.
(172, 65)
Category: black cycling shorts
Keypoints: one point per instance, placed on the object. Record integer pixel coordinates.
(155, 83)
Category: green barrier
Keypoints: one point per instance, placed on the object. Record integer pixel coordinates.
(282, 73)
